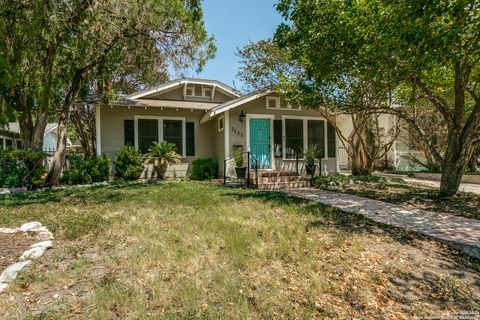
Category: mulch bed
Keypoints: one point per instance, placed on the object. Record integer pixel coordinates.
(12, 245)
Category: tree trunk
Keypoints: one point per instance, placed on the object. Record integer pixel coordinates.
(31, 134)
(58, 161)
(455, 160)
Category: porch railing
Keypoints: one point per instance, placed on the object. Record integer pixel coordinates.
(252, 163)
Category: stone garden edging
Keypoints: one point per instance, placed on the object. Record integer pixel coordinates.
(43, 235)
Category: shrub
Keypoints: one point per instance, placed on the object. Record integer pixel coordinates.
(128, 163)
(161, 154)
(21, 168)
(204, 169)
(82, 171)
(325, 181)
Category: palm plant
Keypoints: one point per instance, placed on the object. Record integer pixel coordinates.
(161, 154)
(310, 155)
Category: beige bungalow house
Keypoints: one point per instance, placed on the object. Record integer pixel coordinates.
(208, 119)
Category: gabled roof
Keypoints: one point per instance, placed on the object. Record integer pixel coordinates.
(235, 103)
(14, 127)
(180, 82)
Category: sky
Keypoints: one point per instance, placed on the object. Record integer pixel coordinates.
(235, 23)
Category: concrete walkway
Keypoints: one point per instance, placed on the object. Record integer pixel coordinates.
(464, 187)
(458, 232)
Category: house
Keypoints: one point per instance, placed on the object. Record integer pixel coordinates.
(208, 119)
(10, 137)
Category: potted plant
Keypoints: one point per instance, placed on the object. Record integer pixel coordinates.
(310, 155)
(161, 155)
(240, 170)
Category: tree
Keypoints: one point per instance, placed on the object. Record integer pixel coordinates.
(84, 122)
(264, 64)
(78, 42)
(432, 47)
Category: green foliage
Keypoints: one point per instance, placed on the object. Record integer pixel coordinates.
(204, 169)
(83, 171)
(238, 157)
(21, 168)
(311, 154)
(161, 154)
(128, 163)
(10, 171)
(325, 181)
(420, 52)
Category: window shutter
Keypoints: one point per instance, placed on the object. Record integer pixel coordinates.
(190, 138)
(128, 130)
(332, 145)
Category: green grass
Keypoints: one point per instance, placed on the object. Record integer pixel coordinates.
(194, 250)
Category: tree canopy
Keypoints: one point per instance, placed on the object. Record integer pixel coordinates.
(53, 50)
(428, 48)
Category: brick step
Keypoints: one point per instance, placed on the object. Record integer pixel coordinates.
(283, 185)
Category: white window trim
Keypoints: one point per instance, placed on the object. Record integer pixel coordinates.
(271, 117)
(188, 86)
(3, 142)
(305, 134)
(220, 120)
(204, 89)
(278, 106)
(277, 102)
(160, 130)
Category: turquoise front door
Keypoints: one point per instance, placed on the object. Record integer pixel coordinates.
(260, 142)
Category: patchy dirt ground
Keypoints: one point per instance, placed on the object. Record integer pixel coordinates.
(415, 195)
(187, 250)
(12, 245)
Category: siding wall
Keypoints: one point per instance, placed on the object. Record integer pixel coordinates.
(238, 130)
(112, 128)
(177, 94)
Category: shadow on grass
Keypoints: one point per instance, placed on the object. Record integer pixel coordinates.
(327, 216)
(75, 195)
(330, 217)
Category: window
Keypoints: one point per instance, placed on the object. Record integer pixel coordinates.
(277, 138)
(207, 92)
(129, 132)
(293, 138)
(277, 103)
(190, 91)
(331, 139)
(316, 135)
(273, 102)
(190, 138)
(198, 90)
(8, 143)
(147, 133)
(1, 143)
(221, 124)
(154, 129)
(19, 144)
(173, 133)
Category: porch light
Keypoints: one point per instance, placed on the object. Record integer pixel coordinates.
(242, 116)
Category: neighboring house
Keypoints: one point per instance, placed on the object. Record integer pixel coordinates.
(208, 119)
(10, 137)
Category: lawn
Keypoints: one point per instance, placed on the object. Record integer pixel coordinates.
(411, 194)
(184, 250)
